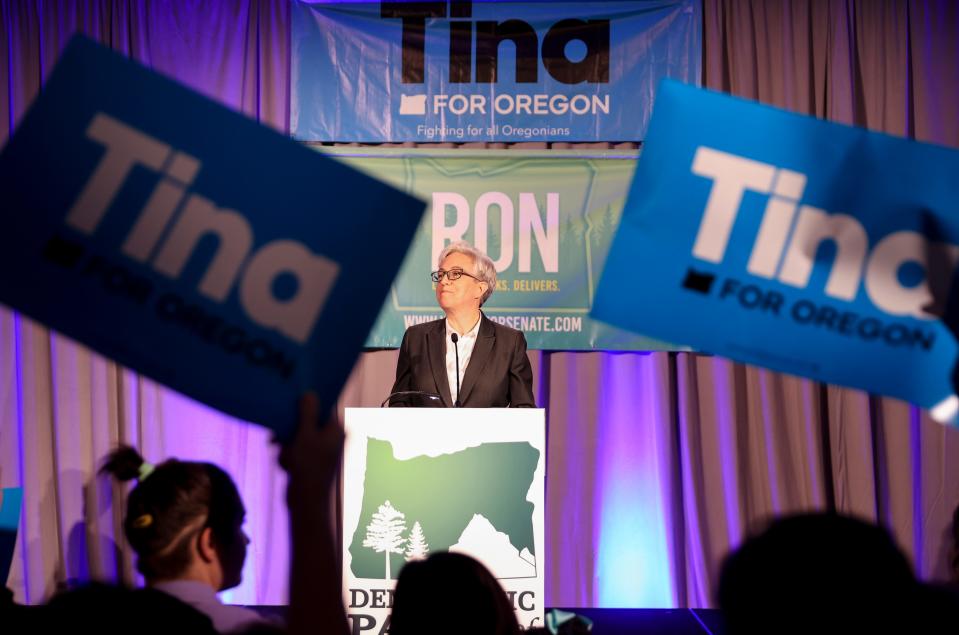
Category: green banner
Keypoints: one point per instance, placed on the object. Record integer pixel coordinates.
(546, 218)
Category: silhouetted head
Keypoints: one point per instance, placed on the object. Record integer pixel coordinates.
(816, 571)
(451, 592)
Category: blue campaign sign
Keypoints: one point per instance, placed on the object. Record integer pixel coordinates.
(190, 243)
(788, 242)
(486, 70)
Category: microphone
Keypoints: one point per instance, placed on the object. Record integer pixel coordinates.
(431, 399)
(456, 349)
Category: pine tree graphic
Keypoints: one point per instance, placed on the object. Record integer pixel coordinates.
(416, 548)
(384, 532)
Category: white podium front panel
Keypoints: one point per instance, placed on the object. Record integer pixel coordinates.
(421, 480)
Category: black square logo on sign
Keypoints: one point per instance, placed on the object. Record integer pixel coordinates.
(699, 282)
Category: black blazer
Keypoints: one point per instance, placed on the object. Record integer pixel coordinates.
(498, 375)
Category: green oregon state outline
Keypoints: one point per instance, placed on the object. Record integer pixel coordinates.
(443, 494)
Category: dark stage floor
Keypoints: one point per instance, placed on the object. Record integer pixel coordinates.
(627, 621)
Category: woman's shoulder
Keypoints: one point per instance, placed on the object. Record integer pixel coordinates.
(508, 333)
(424, 328)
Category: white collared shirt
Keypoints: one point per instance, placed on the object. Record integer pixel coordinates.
(466, 343)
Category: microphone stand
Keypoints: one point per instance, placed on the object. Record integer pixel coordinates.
(456, 350)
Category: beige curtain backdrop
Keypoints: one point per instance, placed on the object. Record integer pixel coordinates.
(736, 444)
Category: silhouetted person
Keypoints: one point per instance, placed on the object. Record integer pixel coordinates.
(450, 593)
(826, 573)
(105, 609)
(184, 520)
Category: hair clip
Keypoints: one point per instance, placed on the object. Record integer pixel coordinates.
(146, 469)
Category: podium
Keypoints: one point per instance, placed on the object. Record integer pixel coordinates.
(421, 480)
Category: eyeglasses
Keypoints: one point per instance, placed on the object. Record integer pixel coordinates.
(452, 274)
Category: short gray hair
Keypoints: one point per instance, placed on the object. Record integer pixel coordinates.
(485, 270)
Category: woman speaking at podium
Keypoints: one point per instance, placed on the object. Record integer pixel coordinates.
(466, 358)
